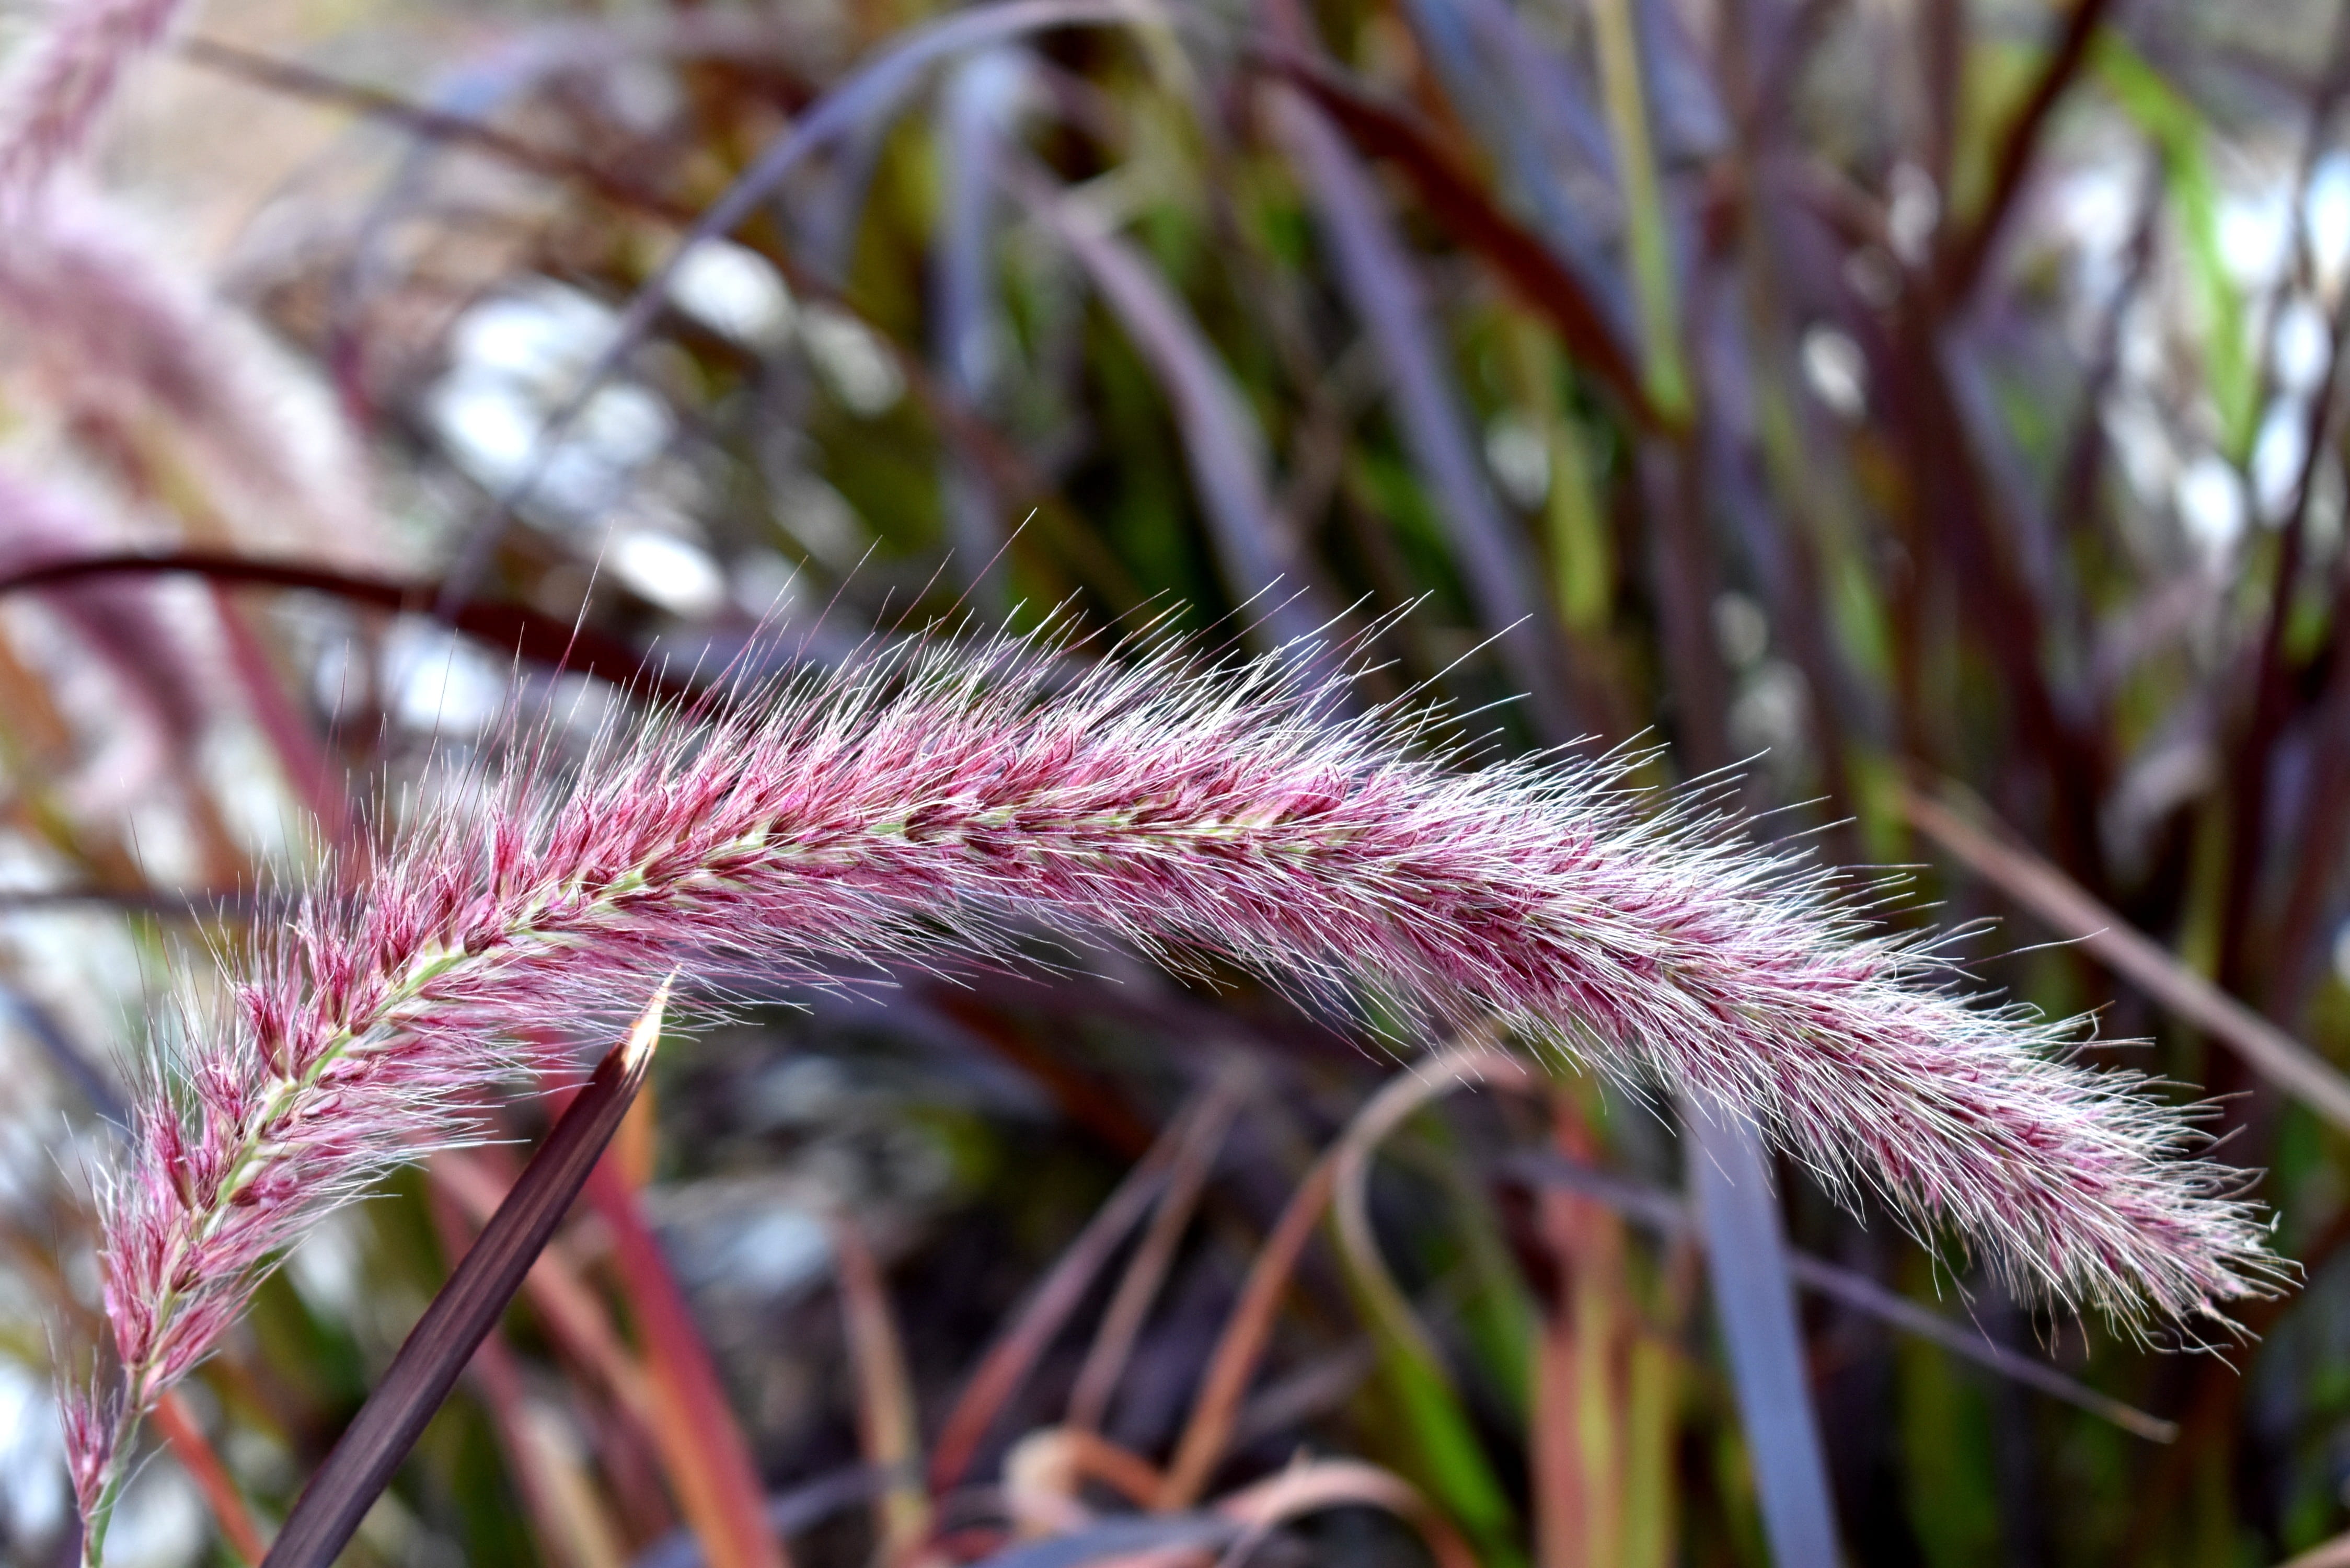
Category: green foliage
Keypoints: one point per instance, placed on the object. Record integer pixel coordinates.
(2178, 129)
(1948, 1445)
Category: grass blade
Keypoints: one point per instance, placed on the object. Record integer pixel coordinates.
(1313, 1486)
(1555, 1467)
(570, 1523)
(1007, 1362)
(1195, 1161)
(1449, 1455)
(702, 1444)
(1247, 1331)
(63, 1054)
(1668, 1216)
(886, 1419)
(993, 464)
(574, 1319)
(1580, 1444)
(1962, 265)
(1861, 1292)
(1391, 1311)
(1219, 435)
(2334, 1553)
(2179, 131)
(1248, 1328)
(1754, 1300)
(788, 1512)
(1046, 1472)
(976, 107)
(1582, 320)
(302, 755)
(1378, 279)
(1123, 1540)
(468, 1307)
(875, 88)
(1652, 1483)
(1654, 286)
(533, 634)
(1525, 102)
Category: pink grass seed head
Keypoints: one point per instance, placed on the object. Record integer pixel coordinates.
(925, 805)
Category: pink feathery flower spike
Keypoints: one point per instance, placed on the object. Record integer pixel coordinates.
(931, 803)
(52, 96)
(120, 340)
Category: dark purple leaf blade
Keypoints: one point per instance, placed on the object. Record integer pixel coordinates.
(477, 1295)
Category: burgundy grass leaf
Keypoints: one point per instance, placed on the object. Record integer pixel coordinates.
(529, 634)
(976, 107)
(1585, 321)
(1381, 282)
(467, 1308)
(120, 622)
(708, 1457)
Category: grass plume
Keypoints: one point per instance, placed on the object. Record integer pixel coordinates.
(927, 804)
(60, 84)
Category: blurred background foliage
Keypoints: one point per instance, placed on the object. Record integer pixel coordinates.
(1891, 402)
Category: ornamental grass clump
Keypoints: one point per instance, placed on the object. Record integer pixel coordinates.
(937, 803)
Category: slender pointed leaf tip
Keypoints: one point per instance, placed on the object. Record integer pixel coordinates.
(644, 1035)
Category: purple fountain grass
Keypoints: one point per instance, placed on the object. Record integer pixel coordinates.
(935, 803)
(60, 83)
(121, 345)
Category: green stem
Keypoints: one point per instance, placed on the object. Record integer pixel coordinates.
(118, 1473)
(1644, 209)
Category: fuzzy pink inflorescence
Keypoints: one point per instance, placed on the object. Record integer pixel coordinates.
(123, 346)
(934, 803)
(119, 343)
(54, 92)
